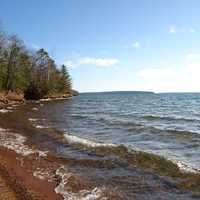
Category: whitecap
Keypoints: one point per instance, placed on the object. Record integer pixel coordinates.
(184, 167)
(72, 139)
(64, 190)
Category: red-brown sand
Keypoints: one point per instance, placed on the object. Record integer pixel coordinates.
(18, 182)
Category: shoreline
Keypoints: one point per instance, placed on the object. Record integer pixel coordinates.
(34, 177)
(20, 167)
(12, 99)
(21, 182)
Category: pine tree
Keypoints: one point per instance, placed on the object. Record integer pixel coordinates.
(33, 73)
(66, 82)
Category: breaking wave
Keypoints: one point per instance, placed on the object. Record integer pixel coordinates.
(72, 139)
(64, 188)
(119, 150)
(16, 142)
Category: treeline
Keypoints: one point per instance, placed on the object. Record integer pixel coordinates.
(33, 73)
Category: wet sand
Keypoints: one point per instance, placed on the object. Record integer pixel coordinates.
(18, 179)
(5, 191)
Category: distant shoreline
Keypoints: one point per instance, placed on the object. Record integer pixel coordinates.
(139, 92)
(136, 92)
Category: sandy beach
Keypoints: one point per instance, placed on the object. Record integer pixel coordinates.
(18, 180)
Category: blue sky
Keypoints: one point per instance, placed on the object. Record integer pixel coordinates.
(114, 44)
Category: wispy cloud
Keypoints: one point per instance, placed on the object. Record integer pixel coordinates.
(192, 30)
(172, 29)
(185, 78)
(69, 63)
(98, 61)
(102, 62)
(193, 56)
(136, 45)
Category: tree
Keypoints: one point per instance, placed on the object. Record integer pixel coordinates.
(12, 55)
(66, 83)
(33, 73)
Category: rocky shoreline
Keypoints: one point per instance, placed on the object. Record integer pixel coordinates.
(9, 99)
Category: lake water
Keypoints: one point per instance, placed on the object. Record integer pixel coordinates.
(164, 124)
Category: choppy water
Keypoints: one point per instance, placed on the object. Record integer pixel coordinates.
(164, 124)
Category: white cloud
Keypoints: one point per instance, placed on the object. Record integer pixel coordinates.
(193, 57)
(98, 61)
(69, 63)
(102, 62)
(172, 29)
(183, 79)
(192, 30)
(136, 45)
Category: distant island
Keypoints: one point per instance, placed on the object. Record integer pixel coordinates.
(113, 92)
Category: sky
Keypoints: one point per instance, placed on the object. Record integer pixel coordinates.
(114, 45)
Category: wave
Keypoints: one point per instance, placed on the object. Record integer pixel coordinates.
(130, 154)
(16, 142)
(37, 125)
(66, 191)
(165, 132)
(79, 116)
(168, 118)
(72, 139)
(185, 167)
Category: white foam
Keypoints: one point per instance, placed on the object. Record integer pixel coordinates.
(16, 142)
(33, 119)
(43, 100)
(64, 190)
(9, 108)
(5, 111)
(43, 174)
(184, 167)
(41, 126)
(72, 139)
(52, 99)
(15, 105)
(35, 109)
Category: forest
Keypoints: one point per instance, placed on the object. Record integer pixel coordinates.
(33, 73)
